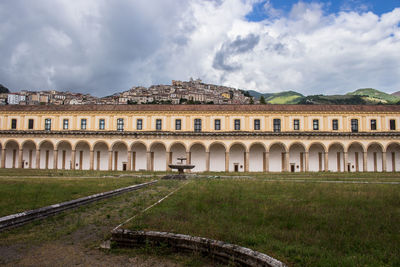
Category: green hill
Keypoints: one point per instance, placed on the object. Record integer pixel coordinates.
(287, 97)
(333, 100)
(373, 96)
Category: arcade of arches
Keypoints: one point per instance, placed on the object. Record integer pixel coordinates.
(206, 155)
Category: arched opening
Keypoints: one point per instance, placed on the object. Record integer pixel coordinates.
(119, 156)
(316, 158)
(257, 158)
(176, 151)
(28, 155)
(12, 154)
(217, 157)
(277, 157)
(46, 155)
(64, 156)
(100, 156)
(139, 162)
(237, 158)
(297, 158)
(393, 157)
(198, 157)
(355, 157)
(82, 156)
(336, 158)
(158, 157)
(374, 158)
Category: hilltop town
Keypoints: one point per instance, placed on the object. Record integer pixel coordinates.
(179, 92)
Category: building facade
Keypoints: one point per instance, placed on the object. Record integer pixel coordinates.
(255, 138)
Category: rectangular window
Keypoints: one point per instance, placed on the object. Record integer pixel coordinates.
(158, 124)
(178, 124)
(315, 125)
(373, 125)
(120, 124)
(296, 125)
(257, 125)
(14, 124)
(392, 125)
(237, 124)
(83, 124)
(65, 124)
(354, 125)
(197, 125)
(335, 125)
(139, 124)
(30, 124)
(47, 124)
(217, 124)
(277, 125)
(102, 124)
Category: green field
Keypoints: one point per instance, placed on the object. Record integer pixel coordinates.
(302, 224)
(20, 194)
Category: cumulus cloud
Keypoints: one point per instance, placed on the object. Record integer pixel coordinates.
(102, 47)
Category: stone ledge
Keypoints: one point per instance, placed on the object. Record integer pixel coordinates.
(21, 218)
(224, 252)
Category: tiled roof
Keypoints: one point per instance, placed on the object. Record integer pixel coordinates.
(255, 108)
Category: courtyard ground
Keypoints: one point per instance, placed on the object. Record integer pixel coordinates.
(301, 219)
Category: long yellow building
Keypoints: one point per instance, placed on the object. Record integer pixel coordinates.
(257, 138)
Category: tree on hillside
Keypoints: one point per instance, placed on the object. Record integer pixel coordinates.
(251, 101)
(262, 100)
(3, 89)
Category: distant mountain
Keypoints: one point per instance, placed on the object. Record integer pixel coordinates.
(358, 97)
(287, 97)
(396, 93)
(333, 100)
(373, 96)
(3, 89)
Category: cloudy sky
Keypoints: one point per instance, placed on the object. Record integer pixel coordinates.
(105, 46)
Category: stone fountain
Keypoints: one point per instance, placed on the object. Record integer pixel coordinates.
(181, 167)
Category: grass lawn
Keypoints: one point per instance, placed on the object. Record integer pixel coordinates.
(302, 224)
(20, 194)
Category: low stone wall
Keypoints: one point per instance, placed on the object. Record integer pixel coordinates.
(31, 215)
(223, 252)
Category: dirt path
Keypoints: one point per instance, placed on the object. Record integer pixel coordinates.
(73, 237)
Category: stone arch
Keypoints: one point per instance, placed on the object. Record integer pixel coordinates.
(46, 155)
(219, 143)
(237, 157)
(297, 157)
(80, 142)
(82, 155)
(278, 157)
(336, 157)
(139, 156)
(64, 148)
(316, 157)
(257, 157)
(158, 156)
(198, 156)
(46, 141)
(317, 143)
(238, 143)
(355, 156)
(217, 152)
(177, 150)
(12, 140)
(11, 154)
(28, 154)
(197, 143)
(101, 142)
(375, 161)
(175, 144)
(119, 158)
(393, 156)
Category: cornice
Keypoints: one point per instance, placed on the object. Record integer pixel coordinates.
(164, 134)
